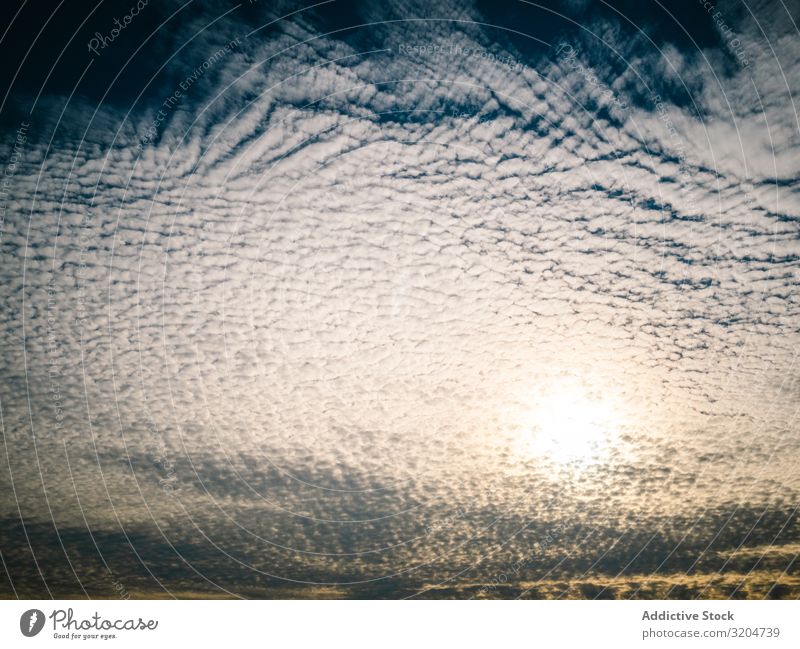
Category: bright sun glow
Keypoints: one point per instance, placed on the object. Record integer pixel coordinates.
(566, 424)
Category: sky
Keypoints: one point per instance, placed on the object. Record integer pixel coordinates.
(400, 299)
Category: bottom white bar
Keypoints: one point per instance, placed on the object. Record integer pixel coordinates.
(461, 624)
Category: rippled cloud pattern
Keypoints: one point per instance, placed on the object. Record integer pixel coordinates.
(402, 299)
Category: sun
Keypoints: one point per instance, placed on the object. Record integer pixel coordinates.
(567, 424)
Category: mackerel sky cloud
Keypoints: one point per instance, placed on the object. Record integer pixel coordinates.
(403, 299)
